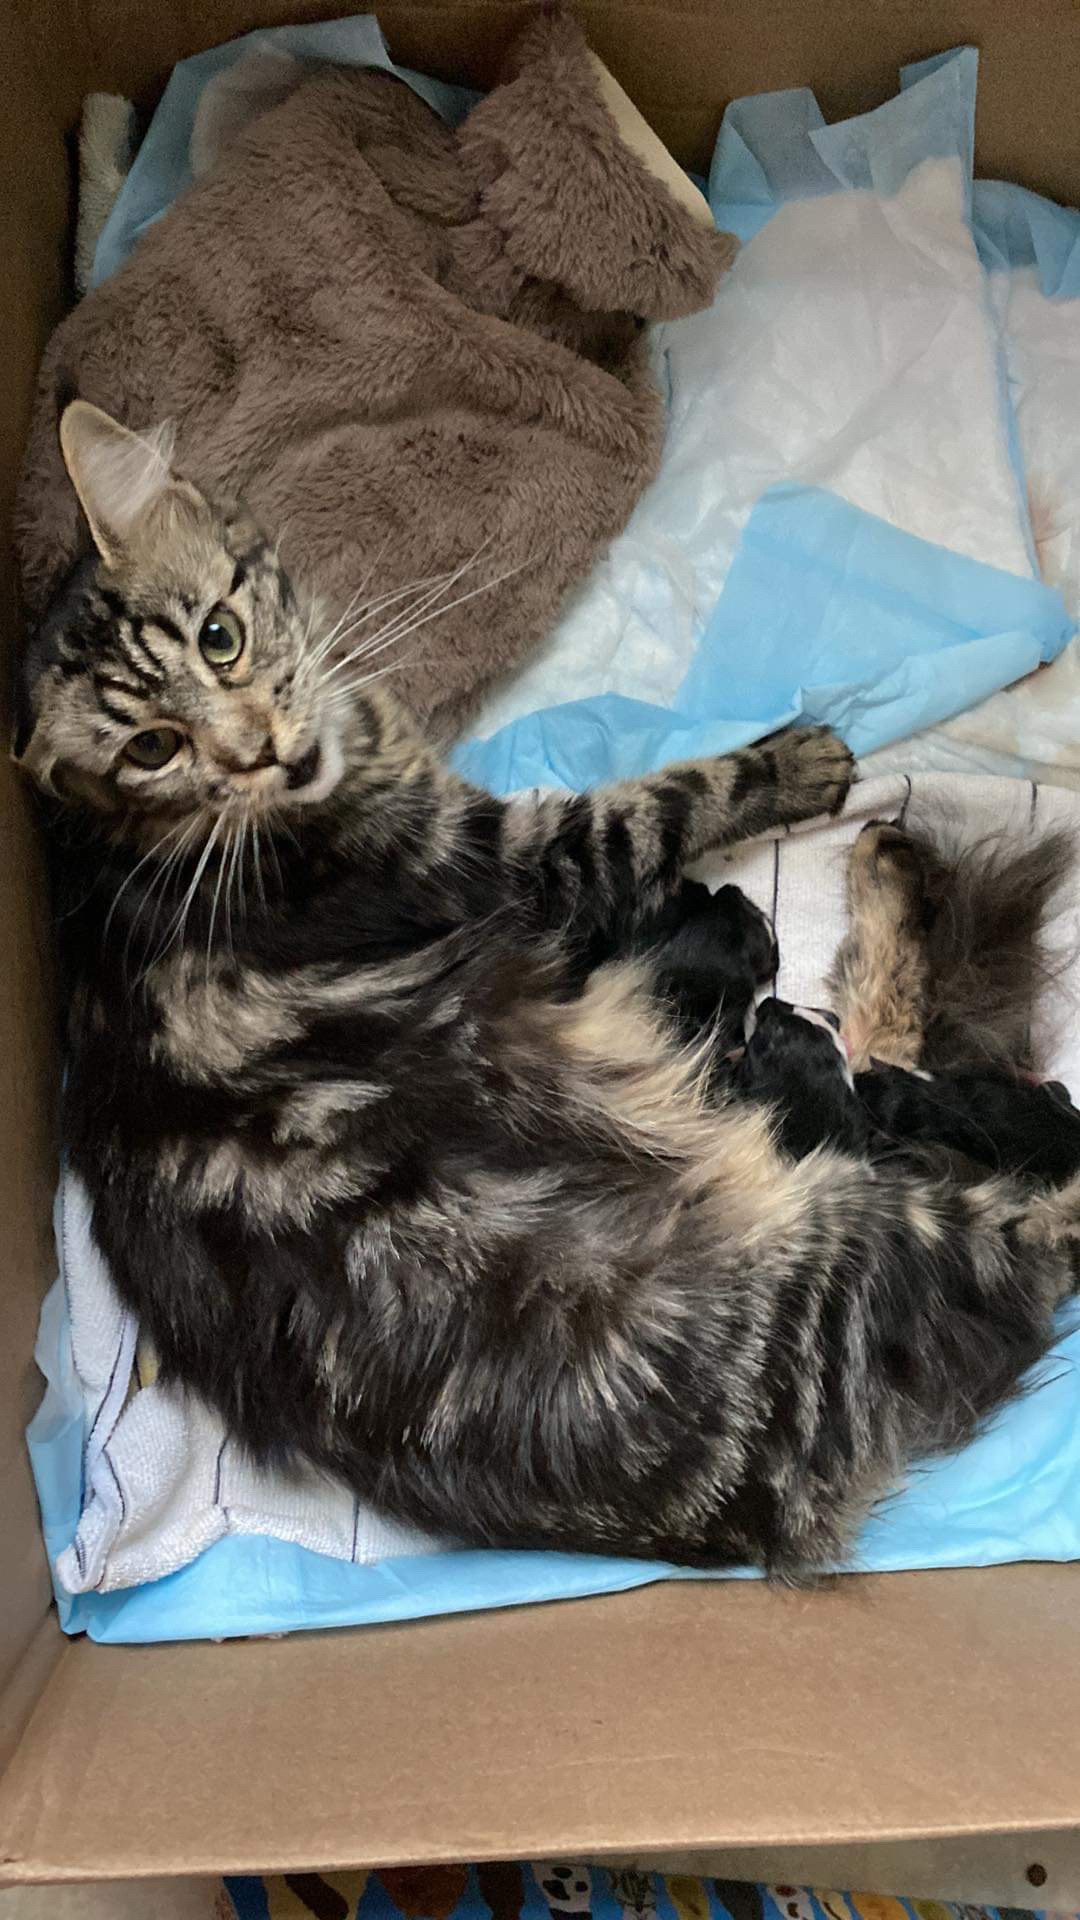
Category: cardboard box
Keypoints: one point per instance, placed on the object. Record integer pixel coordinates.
(928, 1726)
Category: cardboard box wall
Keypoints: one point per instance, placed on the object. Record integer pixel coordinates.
(941, 1710)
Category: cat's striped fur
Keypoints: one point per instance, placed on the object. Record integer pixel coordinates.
(401, 1188)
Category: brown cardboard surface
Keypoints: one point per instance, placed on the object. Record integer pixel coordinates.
(26, 1683)
(680, 1716)
(33, 215)
(679, 60)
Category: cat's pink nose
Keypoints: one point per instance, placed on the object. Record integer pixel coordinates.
(267, 757)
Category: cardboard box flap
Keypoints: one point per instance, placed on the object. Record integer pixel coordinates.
(676, 1718)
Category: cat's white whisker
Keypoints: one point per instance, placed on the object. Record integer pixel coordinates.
(281, 536)
(256, 862)
(344, 695)
(405, 622)
(271, 842)
(403, 631)
(409, 617)
(136, 869)
(234, 882)
(228, 850)
(179, 922)
(284, 827)
(328, 639)
(340, 634)
(368, 571)
(434, 582)
(157, 890)
(188, 832)
(361, 609)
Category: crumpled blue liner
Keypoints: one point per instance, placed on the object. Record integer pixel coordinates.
(774, 147)
(1017, 228)
(886, 632)
(828, 614)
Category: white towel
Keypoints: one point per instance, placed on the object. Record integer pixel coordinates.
(162, 1481)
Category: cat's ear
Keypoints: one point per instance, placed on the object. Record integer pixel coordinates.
(118, 475)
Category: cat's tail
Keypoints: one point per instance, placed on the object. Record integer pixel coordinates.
(994, 942)
(951, 946)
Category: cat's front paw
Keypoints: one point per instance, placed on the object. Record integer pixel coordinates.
(814, 772)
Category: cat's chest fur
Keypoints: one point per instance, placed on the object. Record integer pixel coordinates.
(287, 1090)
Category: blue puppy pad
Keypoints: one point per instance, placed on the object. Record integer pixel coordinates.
(1015, 228)
(834, 615)
(774, 147)
(828, 614)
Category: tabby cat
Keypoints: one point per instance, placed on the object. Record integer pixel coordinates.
(394, 1180)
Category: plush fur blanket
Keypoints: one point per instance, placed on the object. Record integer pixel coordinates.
(406, 348)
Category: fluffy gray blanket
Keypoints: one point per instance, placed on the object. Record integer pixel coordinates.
(409, 350)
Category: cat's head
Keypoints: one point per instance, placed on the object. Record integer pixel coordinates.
(176, 673)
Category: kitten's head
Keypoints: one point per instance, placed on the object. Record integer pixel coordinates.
(173, 675)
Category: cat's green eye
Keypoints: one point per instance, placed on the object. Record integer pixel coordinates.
(221, 638)
(154, 747)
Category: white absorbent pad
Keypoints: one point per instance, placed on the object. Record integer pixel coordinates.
(1031, 250)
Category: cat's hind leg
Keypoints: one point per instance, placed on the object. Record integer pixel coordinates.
(881, 975)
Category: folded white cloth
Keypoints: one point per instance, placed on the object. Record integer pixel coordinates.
(161, 1480)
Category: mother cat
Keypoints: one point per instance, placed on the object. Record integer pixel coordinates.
(392, 1180)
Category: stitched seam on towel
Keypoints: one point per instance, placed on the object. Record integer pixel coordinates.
(103, 1402)
(107, 1456)
(65, 1267)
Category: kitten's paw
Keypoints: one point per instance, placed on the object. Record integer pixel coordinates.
(884, 859)
(814, 772)
(745, 930)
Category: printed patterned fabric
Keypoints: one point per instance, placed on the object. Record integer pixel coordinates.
(558, 1891)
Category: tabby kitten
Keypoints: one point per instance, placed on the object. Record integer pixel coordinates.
(394, 1182)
